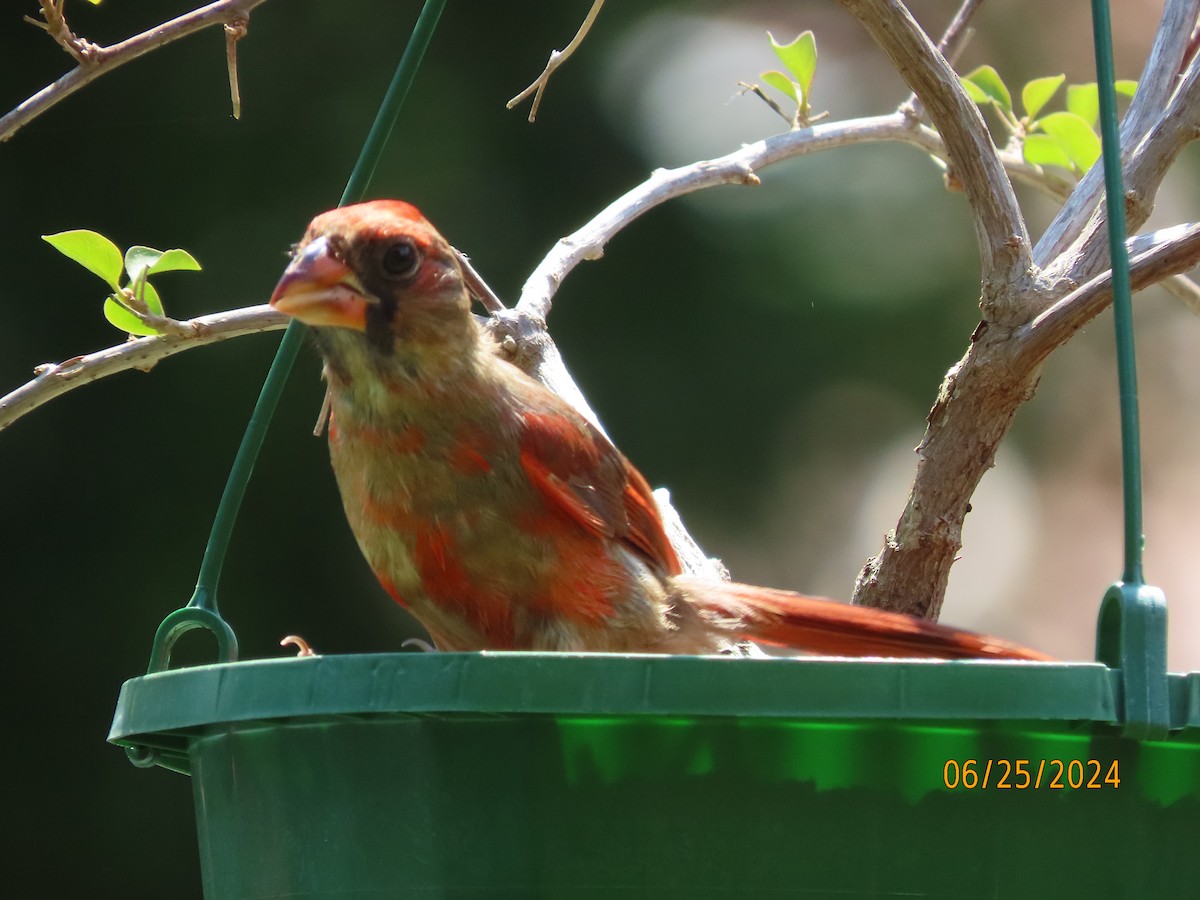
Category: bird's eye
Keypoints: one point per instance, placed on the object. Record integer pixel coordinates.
(401, 259)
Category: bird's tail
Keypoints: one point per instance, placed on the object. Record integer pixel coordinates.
(817, 625)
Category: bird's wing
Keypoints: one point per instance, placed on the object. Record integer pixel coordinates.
(579, 472)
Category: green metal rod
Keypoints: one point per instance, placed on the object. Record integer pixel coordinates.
(1122, 302)
(205, 595)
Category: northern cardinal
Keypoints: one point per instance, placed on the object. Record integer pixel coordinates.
(490, 508)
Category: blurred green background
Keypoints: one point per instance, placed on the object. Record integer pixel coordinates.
(768, 354)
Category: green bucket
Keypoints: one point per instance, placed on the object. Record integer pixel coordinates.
(465, 775)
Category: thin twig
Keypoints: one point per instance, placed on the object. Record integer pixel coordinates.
(557, 58)
(100, 60)
(762, 95)
(1183, 289)
(55, 24)
(142, 353)
(235, 30)
(479, 288)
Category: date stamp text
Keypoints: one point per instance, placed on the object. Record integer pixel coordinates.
(1030, 774)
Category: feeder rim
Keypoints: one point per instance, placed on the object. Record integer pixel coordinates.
(182, 701)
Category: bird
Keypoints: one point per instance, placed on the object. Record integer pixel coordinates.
(493, 510)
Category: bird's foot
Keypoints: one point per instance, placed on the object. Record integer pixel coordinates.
(423, 646)
(301, 645)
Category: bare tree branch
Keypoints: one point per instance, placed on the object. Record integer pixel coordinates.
(952, 43)
(525, 326)
(973, 411)
(981, 393)
(1000, 228)
(1181, 287)
(1167, 56)
(1178, 250)
(54, 23)
(1178, 126)
(521, 332)
(235, 30)
(94, 61)
(479, 288)
(54, 380)
(557, 58)
(739, 167)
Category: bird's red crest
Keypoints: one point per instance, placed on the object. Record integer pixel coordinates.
(372, 216)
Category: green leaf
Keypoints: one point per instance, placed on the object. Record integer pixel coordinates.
(800, 58)
(992, 86)
(975, 92)
(1075, 135)
(1038, 92)
(1084, 101)
(175, 260)
(782, 83)
(1126, 86)
(93, 251)
(139, 259)
(122, 319)
(1043, 150)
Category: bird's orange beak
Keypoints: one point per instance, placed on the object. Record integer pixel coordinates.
(319, 289)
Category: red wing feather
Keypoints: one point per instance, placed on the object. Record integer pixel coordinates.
(575, 468)
(646, 530)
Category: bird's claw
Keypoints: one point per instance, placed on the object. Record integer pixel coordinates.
(301, 645)
(423, 646)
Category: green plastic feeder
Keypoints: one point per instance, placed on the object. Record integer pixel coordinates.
(543, 775)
